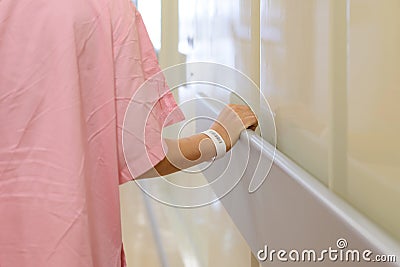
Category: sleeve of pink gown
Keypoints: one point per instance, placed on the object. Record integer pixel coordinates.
(152, 106)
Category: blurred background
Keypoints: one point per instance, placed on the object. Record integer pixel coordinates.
(330, 70)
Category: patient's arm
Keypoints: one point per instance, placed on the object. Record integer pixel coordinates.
(188, 152)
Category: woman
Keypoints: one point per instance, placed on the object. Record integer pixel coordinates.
(68, 70)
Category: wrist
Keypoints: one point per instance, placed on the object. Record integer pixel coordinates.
(218, 142)
(223, 133)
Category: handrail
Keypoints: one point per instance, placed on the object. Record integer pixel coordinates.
(355, 219)
(365, 227)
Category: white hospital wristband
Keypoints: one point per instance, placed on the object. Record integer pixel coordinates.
(218, 141)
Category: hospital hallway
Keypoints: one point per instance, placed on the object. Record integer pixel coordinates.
(323, 167)
(158, 235)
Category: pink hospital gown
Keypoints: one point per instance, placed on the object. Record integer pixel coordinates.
(68, 69)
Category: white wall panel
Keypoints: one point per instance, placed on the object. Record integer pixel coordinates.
(331, 71)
